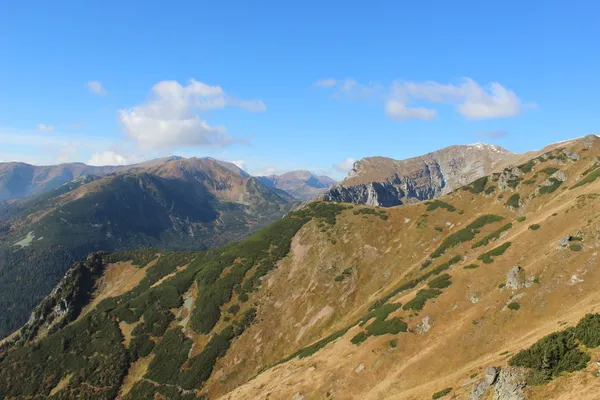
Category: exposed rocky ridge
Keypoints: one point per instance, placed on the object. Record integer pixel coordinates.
(302, 185)
(380, 181)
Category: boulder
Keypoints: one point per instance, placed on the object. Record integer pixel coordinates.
(564, 241)
(479, 389)
(515, 279)
(510, 384)
(425, 325)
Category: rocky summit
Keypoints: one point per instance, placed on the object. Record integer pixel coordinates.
(380, 181)
(486, 292)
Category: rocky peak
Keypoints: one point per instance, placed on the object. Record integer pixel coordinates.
(382, 181)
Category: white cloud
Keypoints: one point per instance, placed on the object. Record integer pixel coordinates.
(470, 99)
(110, 157)
(266, 172)
(96, 88)
(397, 110)
(325, 83)
(240, 164)
(171, 116)
(45, 128)
(344, 166)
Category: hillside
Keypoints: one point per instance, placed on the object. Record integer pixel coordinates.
(302, 185)
(177, 204)
(381, 181)
(345, 301)
(18, 180)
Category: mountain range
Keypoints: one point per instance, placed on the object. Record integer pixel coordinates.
(484, 289)
(302, 185)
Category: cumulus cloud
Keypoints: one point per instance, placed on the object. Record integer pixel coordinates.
(171, 116)
(110, 157)
(96, 88)
(344, 166)
(45, 128)
(472, 100)
(491, 135)
(401, 100)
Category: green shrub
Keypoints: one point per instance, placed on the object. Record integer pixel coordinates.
(521, 219)
(527, 167)
(490, 190)
(371, 211)
(435, 204)
(534, 227)
(466, 234)
(590, 169)
(421, 298)
(477, 185)
(492, 236)
(555, 184)
(471, 266)
(427, 263)
(576, 247)
(359, 338)
(234, 309)
(550, 356)
(440, 282)
(169, 355)
(514, 306)
(439, 228)
(393, 343)
(529, 182)
(587, 330)
(549, 170)
(514, 201)
(392, 326)
(498, 251)
(441, 393)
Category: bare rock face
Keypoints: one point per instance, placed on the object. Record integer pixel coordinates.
(515, 279)
(509, 178)
(511, 384)
(425, 325)
(479, 389)
(380, 181)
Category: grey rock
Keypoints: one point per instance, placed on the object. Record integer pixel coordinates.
(479, 389)
(515, 279)
(509, 178)
(380, 181)
(571, 155)
(510, 384)
(425, 325)
(564, 241)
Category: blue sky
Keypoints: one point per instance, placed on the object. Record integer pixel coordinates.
(277, 86)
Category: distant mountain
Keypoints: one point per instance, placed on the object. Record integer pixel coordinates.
(18, 180)
(171, 203)
(303, 185)
(380, 181)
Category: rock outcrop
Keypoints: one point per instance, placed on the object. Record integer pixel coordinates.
(380, 181)
(515, 279)
(510, 384)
